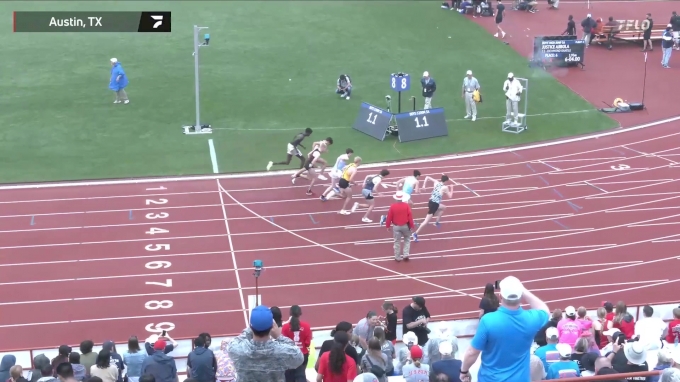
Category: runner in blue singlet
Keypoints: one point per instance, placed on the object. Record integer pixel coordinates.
(336, 174)
(408, 185)
(370, 183)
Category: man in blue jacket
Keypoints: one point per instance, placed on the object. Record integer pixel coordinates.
(201, 363)
(161, 366)
(118, 82)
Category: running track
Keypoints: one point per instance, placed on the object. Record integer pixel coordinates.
(578, 222)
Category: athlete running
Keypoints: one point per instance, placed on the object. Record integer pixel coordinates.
(292, 150)
(336, 174)
(408, 185)
(314, 156)
(345, 183)
(370, 183)
(434, 206)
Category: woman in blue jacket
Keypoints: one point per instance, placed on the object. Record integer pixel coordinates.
(118, 82)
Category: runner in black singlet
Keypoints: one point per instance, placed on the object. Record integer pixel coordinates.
(292, 150)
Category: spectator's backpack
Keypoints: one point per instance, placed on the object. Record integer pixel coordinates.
(375, 370)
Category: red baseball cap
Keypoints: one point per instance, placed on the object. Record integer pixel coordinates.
(159, 345)
(416, 352)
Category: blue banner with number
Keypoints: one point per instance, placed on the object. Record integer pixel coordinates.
(400, 83)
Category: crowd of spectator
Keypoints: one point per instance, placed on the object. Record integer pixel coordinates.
(515, 344)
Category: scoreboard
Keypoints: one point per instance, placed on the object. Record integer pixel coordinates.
(558, 51)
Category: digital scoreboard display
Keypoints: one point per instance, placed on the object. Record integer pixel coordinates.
(559, 51)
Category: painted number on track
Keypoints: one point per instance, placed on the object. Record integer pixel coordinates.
(155, 304)
(160, 327)
(157, 247)
(621, 167)
(159, 201)
(158, 264)
(161, 215)
(155, 230)
(167, 283)
(161, 188)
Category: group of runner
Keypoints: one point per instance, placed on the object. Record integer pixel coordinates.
(342, 176)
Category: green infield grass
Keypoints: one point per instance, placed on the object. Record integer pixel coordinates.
(269, 72)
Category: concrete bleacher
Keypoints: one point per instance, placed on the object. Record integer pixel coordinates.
(463, 329)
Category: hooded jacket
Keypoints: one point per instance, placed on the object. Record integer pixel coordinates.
(626, 326)
(7, 362)
(161, 366)
(202, 363)
(116, 84)
(268, 361)
(39, 362)
(79, 372)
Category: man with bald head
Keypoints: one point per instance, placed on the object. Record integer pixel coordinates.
(603, 366)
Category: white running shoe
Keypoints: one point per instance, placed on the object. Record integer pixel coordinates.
(503, 36)
(355, 206)
(474, 118)
(496, 35)
(269, 165)
(367, 220)
(127, 101)
(343, 212)
(347, 98)
(116, 101)
(467, 116)
(293, 180)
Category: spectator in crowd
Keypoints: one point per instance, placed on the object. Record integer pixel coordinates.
(447, 365)
(631, 359)
(650, 329)
(431, 349)
(170, 344)
(588, 364)
(104, 369)
(62, 356)
(260, 352)
(335, 365)
(225, 368)
(504, 337)
(404, 355)
(65, 372)
(603, 366)
(327, 345)
(299, 332)
(374, 361)
(47, 374)
(415, 318)
(569, 328)
(133, 359)
(612, 336)
(416, 371)
(673, 332)
(87, 356)
(39, 363)
(278, 316)
(201, 364)
(145, 378)
(365, 377)
(565, 367)
(7, 362)
(585, 322)
(159, 364)
(94, 379)
(672, 373)
(16, 373)
(356, 344)
(537, 369)
(79, 372)
(207, 339)
(552, 323)
(623, 321)
(390, 321)
(489, 302)
(548, 354)
(598, 326)
(116, 359)
(580, 349)
(609, 310)
(387, 349)
(664, 361)
(364, 329)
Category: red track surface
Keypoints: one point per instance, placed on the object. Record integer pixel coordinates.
(74, 263)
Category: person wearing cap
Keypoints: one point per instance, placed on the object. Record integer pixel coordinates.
(548, 353)
(404, 354)
(664, 361)
(447, 364)
(504, 337)
(400, 219)
(470, 85)
(416, 371)
(260, 352)
(429, 87)
(588, 24)
(442, 333)
(118, 82)
(632, 359)
(366, 377)
(672, 373)
(513, 90)
(667, 46)
(170, 344)
(160, 365)
(414, 319)
(570, 329)
(565, 367)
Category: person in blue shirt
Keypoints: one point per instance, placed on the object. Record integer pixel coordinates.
(548, 353)
(118, 82)
(504, 337)
(667, 46)
(565, 367)
(447, 365)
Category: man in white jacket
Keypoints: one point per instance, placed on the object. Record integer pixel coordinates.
(513, 91)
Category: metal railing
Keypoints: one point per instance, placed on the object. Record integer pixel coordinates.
(611, 377)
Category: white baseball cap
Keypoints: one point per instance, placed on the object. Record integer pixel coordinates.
(426, 74)
(570, 311)
(114, 60)
(410, 337)
(552, 333)
(511, 288)
(469, 72)
(669, 26)
(589, 15)
(510, 75)
(366, 377)
(398, 195)
(445, 348)
(564, 350)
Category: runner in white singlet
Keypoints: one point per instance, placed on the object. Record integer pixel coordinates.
(408, 185)
(434, 206)
(336, 174)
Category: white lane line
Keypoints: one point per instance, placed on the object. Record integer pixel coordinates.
(644, 209)
(630, 195)
(630, 181)
(213, 157)
(594, 186)
(549, 268)
(551, 166)
(604, 170)
(652, 225)
(145, 196)
(233, 255)
(666, 241)
(454, 220)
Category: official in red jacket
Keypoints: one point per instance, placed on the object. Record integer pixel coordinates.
(301, 333)
(400, 218)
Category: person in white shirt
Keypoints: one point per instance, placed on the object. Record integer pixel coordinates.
(650, 329)
(513, 90)
(336, 174)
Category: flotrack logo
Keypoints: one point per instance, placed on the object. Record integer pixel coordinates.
(631, 25)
